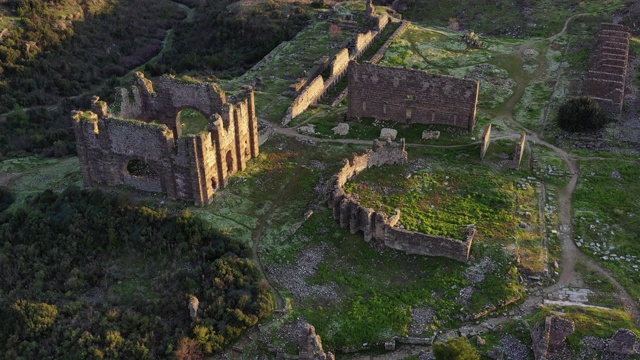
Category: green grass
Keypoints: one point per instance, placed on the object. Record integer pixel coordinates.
(288, 62)
(381, 288)
(507, 18)
(443, 199)
(606, 210)
(193, 122)
(38, 174)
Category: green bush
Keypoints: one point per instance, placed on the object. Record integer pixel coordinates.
(455, 349)
(581, 113)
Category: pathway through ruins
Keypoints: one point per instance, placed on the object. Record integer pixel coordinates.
(570, 253)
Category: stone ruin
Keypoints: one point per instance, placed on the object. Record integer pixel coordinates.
(310, 347)
(377, 225)
(309, 90)
(111, 144)
(517, 156)
(411, 96)
(486, 140)
(605, 80)
(550, 338)
(549, 341)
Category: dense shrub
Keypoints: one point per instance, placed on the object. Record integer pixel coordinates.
(86, 275)
(581, 114)
(6, 199)
(455, 349)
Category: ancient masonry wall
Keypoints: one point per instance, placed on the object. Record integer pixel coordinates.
(189, 167)
(312, 92)
(411, 96)
(486, 140)
(377, 225)
(517, 157)
(605, 81)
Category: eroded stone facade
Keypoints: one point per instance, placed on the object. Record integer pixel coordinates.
(188, 167)
(605, 80)
(411, 96)
(377, 225)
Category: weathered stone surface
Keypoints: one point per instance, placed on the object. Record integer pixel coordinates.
(411, 96)
(189, 167)
(623, 342)
(486, 140)
(387, 133)
(376, 224)
(341, 129)
(605, 80)
(428, 135)
(517, 157)
(312, 349)
(551, 337)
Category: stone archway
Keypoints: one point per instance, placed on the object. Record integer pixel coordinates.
(190, 121)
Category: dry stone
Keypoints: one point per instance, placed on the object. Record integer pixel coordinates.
(190, 167)
(428, 135)
(387, 133)
(341, 129)
(411, 96)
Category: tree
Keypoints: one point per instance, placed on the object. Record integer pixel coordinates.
(581, 113)
(455, 349)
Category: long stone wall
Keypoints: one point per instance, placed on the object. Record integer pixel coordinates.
(411, 96)
(377, 225)
(189, 167)
(605, 81)
(315, 89)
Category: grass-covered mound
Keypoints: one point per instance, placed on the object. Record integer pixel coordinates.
(440, 202)
(87, 275)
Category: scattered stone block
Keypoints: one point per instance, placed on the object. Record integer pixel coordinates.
(387, 133)
(428, 135)
(307, 129)
(341, 129)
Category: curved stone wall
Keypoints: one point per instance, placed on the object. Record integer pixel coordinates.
(376, 224)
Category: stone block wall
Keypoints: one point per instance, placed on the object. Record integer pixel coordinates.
(486, 140)
(377, 225)
(189, 167)
(411, 96)
(517, 157)
(605, 81)
(311, 93)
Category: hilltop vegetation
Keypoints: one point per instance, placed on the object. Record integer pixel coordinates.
(88, 275)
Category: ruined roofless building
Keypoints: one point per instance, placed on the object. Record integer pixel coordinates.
(139, 141)
(411, 96)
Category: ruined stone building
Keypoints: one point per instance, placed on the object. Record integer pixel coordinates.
(139, 141)
(411, 96)
(378, 226)
(605, 80)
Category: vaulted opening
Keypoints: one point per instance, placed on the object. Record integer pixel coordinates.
(191, 122)
(140, 168)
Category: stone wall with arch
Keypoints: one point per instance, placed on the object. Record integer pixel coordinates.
(144, 125)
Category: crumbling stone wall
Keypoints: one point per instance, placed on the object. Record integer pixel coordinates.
(411, 96)
(517, 156)
(377, 225)
(310, 95)
(605, 81)
(486, 140)
(339, 63)
(550, 338)
(189, 167)
(310, 92)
